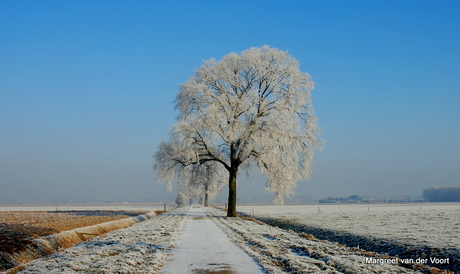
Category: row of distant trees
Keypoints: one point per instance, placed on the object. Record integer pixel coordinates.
(442, 194)
(354, 199)
(351, 199)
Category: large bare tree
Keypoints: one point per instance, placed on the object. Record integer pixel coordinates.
(248, 108)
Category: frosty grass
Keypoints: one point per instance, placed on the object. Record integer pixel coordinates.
(281, 251)
(412, 231)
(141, 248)
(436, 225)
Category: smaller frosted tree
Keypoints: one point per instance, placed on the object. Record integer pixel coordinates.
(181, 199)
(249, 108)
(207, 179)
(195, 181)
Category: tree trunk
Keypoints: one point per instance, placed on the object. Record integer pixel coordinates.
(190, 202)
(231, 211)
(205, 195)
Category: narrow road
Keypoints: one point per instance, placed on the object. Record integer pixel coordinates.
(202, 247)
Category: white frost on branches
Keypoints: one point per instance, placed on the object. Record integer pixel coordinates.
(200, 181)
(253, 107)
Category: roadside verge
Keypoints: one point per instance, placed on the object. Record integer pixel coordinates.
(47, 245)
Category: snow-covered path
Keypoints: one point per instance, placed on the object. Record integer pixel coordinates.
(202, 247)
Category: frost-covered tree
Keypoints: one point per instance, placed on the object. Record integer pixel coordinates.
(208, 180)
(181, 199)
(201, 181)
(248, 108)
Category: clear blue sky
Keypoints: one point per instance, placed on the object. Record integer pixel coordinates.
(87, 90)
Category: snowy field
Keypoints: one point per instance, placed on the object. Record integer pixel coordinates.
(436, 225)
(384, 228)
(281, 251)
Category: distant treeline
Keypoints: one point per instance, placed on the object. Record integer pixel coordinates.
(442, 194)
(351, 199)
(355, 199)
